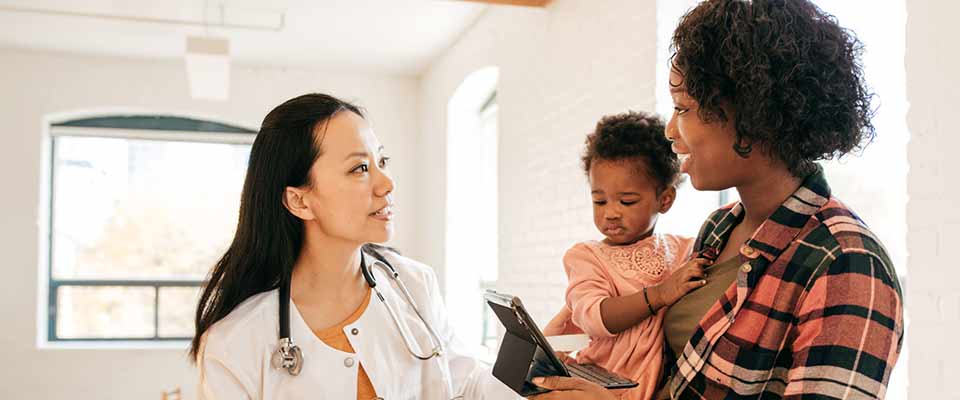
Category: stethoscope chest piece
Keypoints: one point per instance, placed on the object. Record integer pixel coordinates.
(288, 356)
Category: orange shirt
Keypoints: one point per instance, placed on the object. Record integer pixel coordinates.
(334, 337)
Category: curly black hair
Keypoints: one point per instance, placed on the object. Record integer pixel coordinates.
(634, 136)
(790, 72)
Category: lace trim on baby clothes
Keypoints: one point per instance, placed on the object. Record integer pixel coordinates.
(638, 259)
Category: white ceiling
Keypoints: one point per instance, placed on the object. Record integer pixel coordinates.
(385, 36)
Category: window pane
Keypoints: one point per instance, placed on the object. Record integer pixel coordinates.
(144, 209)
(104, 312)
(177, 305)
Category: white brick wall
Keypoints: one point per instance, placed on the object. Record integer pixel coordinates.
(932, 298)
(561, 69)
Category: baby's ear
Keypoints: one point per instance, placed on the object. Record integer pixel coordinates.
(667, 196)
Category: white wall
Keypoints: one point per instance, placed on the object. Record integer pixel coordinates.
(933, 225)
(35, 85)
(561, 69)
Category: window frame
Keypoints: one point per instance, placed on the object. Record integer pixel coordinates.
(163, 128)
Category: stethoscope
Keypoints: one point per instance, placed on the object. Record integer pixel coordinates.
(290, 357)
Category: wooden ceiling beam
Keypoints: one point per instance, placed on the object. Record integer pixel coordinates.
(524, 3)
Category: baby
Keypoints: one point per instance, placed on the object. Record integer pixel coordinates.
(620, 285)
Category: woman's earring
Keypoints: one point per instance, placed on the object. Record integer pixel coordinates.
(743, 150)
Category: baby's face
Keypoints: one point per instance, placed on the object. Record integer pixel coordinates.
(625, 200)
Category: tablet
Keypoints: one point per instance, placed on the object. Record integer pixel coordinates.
(525, 353)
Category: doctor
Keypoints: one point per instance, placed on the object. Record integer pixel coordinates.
(316, 193)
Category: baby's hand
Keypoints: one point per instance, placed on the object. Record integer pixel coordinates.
(685, 279)
(560, 323)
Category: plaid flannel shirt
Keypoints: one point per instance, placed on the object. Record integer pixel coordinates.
(815, 312)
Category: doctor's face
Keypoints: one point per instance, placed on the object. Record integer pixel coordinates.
(349, 196)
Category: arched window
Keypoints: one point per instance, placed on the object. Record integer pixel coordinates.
(140, 208)
(471, 234)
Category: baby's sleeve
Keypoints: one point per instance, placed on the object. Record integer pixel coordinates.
(590, 284)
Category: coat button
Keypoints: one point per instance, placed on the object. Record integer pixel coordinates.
(746, 267)
(354, 331)
(348, 362)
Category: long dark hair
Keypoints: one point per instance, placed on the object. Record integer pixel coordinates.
(268, 237)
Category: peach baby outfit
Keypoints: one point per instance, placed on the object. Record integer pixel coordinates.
(597, 271)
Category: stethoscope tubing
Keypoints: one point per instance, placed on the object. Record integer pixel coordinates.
(290, 357)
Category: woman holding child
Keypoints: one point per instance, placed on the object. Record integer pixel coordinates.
(792, 295)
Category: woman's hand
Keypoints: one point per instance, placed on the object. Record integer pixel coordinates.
(685, 279)
(565, 388)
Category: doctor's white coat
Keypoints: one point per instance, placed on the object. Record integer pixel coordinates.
(235, 356)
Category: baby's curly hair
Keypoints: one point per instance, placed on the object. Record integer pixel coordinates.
(634, 136)
(791, 73)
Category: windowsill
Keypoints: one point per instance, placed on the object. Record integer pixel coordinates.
(179, 345)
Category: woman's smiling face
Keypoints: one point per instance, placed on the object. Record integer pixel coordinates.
(705, 147)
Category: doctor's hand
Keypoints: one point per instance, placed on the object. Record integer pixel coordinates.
(565, 388)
